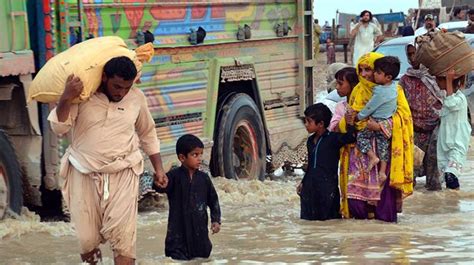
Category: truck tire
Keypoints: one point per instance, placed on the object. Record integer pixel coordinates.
(11, 192)
(241, 145)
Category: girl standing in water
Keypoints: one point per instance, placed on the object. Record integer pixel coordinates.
(346, 80)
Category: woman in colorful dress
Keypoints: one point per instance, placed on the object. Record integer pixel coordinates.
(425, 100)
(364, 195)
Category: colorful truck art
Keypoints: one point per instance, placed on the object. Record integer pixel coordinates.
(181, 82)
(169, 19)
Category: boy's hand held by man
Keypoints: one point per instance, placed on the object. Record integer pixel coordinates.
(215, 227)
(299, 188)
(161, 180)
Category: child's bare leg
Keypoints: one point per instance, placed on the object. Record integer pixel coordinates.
(373, 159)
(383, 169)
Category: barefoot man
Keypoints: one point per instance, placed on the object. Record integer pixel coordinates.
(103, 162)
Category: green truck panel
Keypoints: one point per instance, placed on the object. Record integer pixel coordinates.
(14, 29)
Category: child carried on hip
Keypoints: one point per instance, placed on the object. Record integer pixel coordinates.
(381, 107)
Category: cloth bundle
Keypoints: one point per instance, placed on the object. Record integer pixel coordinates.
(439, 51)
(85, 60)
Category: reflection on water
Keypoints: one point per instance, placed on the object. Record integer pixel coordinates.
(261, 224)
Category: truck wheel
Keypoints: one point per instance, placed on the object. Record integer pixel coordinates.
(241, 140)
(11, 192)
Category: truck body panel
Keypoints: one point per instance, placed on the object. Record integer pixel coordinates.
(181, 71)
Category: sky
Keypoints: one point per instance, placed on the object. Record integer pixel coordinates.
(326, 9)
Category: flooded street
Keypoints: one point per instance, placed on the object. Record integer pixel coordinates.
(104, 83)
(261, 224)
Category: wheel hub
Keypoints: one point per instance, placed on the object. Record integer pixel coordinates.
(245, 151)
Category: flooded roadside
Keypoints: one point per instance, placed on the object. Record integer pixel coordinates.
(261, 224)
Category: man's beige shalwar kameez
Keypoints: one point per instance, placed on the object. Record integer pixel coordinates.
(102, 165)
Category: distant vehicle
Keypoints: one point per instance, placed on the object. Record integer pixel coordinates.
(453, 26)
(396, 47)
(324, 36)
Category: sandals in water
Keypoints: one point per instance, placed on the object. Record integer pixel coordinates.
(452, 181)
(92, 257)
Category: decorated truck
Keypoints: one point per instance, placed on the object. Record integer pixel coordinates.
(238, 74)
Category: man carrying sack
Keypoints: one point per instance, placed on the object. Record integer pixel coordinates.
(102, 165)
(317, 34)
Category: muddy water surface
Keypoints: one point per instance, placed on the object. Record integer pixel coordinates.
(261, 224)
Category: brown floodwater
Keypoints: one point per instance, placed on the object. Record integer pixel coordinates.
(260, 224)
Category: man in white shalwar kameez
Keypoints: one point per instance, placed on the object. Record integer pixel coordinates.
(366, 33)
(102, 165)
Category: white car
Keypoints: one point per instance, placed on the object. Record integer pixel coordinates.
(454, 25)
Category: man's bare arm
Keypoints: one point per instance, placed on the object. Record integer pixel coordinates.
(161, 180)
(72, 90)
(379, 39)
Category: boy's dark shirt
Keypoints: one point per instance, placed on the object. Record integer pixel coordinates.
(320, 199)
(187, 236)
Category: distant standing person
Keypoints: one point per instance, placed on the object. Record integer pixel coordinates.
(366, 34)
(101, 167)
(330, 51)
(470, 22)
(459, 14)
(317, 34)
(190, 192)
(326, 26)
(429, 25)
(353, 23)
(319, 190)
(407, 29)
(470, 16)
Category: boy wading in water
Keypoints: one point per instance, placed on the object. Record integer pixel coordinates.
(455, 130)
(319, 190)
(190, 192)
(380, 107)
